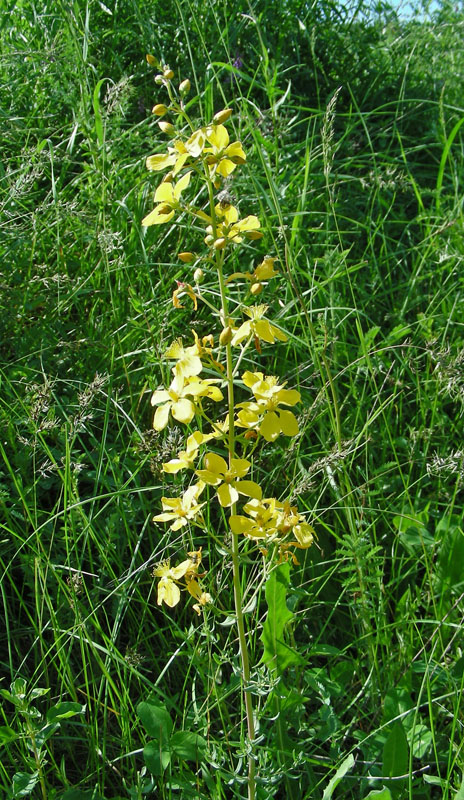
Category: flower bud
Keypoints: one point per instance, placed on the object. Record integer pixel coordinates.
(159, 80)
(222, 116)
(251, 234)
(168, 73)
(217, 183)
(151, 60)
(167, 127)
(256, 288)
(198, 275)
(219, 244)
(209, 239)
(187, 258)
(160, 110)
(184, 87)
(226, 336)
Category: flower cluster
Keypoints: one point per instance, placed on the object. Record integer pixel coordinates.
(218, 449)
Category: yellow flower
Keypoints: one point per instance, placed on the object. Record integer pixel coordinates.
(218, 473)
(261, 522)
(185, 458)
(263, 272)
(168, 591)
(183, 509)
(264, 416)
(175, 400)
(176, 157)
(224, 157)
(259, 327)
(184, 288)
(231, 228)
(167, 196)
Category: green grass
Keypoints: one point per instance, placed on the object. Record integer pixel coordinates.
(355, 155)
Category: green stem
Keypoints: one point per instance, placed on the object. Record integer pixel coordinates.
(245, 661)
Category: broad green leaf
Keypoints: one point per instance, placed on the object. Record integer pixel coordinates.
(43, 734)
(344, 767)
(420, 740)
(23, 783)
(38, 693)
(7, 734)
(379, 794)
(397, 702)
(450, 535)
(277, 653)
(155, 719)
(396, 753)
(188, 746)
(156, 758)
(64, 711)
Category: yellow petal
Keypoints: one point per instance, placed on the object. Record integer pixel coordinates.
(227, 494)
(249, 488)
(195, 144)
(161, 417)
(288, 423)
(155, 218)
(270, 426)
(160, 161)
(168, 593)
(183, 410)
(218, 137)
(215, 463)
(182, 184)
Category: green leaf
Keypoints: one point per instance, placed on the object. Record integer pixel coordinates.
(97, 111)
(38, 693)
(277, 653)
(396, 754)
(460, 793)
(43, 734)
(379, 794)
(450, 534)
(64, 711)
(23, 783)
(156, 720)
(420, 740)
(188, 746)
(344, 767)
(7, 734)
(156, 758)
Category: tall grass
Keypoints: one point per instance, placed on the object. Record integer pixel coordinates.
(352, 124)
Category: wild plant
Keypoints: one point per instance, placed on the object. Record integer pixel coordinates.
(226, 435)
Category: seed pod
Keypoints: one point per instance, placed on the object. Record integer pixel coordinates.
(226, 335)
(187, 258)
(167, 127)
(159, 110)
(222, 116)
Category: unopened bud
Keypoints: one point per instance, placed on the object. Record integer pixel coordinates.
(256, 288)
(220, 243)
(159, 80)
(187, 258)
(151, 60)
(198, 275)
(222, 116)
(209, 239)
(226, 336)
(168, 73)
(184, 87)
(167, 127)
(160, 110)
(217, 183)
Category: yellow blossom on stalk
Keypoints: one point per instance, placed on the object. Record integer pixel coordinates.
(263, 272)
(197, 592)
(264, 416)
(176, 400)
(231, 229)
(176, 157)
(167, 196)
(184, 288)
(181, 510)
(258, 326)
(185, 458)
(227, 478)
(168, 591)
(271, 519)
(223, 157)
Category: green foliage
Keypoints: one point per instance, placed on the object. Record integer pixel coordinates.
(363, 204)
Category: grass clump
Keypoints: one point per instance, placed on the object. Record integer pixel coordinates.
(351, 124)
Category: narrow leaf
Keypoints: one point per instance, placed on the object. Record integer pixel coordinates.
(344, 767)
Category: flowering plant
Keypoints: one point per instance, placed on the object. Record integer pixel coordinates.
(219, 452)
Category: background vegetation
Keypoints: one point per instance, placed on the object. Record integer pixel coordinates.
(351, 119)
